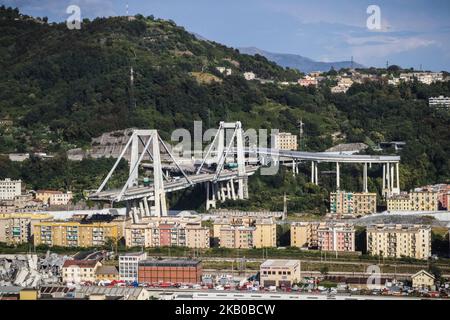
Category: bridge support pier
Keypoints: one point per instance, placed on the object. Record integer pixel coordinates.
(210, 195)
(365, 182)
(338, 177)
(391, 179)
(315, 172)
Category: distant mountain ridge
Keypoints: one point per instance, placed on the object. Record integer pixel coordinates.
(299, 62)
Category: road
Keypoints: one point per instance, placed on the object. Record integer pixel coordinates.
(190, 294)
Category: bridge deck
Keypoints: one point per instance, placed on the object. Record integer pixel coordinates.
(141, 191)
(325, 157)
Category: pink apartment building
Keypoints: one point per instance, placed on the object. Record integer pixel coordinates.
(336, 237)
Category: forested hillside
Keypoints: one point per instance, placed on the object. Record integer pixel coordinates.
(62, 87)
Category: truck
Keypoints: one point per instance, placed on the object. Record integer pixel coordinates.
(147, 181)
(232, 165)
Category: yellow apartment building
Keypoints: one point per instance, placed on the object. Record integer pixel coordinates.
(424, 201)
(304, 234)
(17, 228)
(349, 204)
(414, 201)
(401, 202)
(285, 141)
(396, 241)
(76, 234)
(245, 232)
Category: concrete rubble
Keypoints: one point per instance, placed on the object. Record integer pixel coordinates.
(30, 270)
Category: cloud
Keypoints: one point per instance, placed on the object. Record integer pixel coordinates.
(385, 45)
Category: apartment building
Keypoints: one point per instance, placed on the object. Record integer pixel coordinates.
(76, 234)
(245, 232)
(419, 200)
(396, 241)
(423, 77)
(235, 236)
(170, 232)
(400, 202)
(265, 233)
(280, 273)
(349, 205)
(54, 197)
(424, 201)
(197, 236)
(325, 236)
(77, 271)
(17, 228)
(304, 235)
(439, 102)
(285, 141)
(23, 203)
(308, 81)
(336, 237)
(342, 86)
(10, 189)
(129, 265)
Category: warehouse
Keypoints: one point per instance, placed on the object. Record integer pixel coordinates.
(280, 273)
(170, 271)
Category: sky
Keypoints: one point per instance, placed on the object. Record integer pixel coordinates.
(412, 33)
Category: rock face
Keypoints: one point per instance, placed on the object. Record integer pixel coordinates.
(347, 148)
(109, 145)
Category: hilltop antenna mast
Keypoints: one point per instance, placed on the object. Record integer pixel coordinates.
(127, 8)
(300, 126)
(132, 98)
(351, 63)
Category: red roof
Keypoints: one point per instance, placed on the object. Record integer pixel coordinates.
(80, 263)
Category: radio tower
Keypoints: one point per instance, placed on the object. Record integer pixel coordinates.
(300, 126)
(132, 100)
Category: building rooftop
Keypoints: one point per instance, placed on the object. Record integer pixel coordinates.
(133, 254)
(9, 290)
(107, 270)
(170, 263)
(80, 263)
(280, 263)
(397, 227)
(129, 293)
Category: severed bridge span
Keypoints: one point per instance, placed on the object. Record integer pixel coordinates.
(224, 170)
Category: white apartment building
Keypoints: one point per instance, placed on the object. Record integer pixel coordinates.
(225, 71)
(77, 271)
(423, 77)
(439, 102)
(285, 141)
(61, 199)
(10, 189)
(129, 265)
(249, 76)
